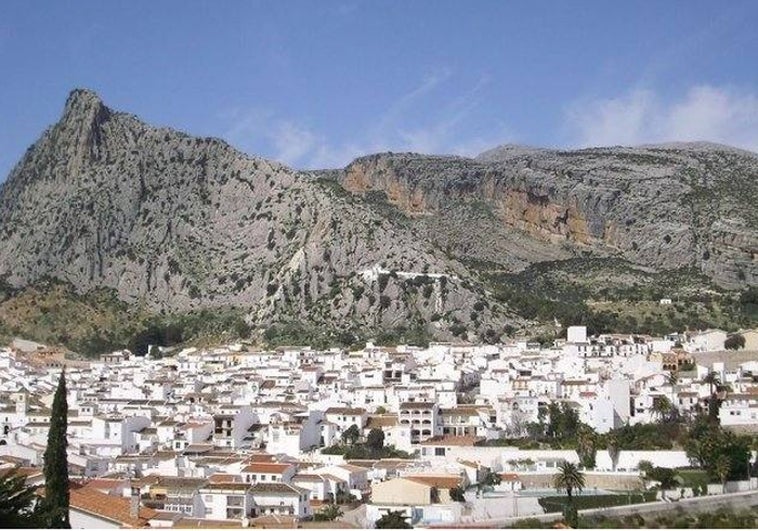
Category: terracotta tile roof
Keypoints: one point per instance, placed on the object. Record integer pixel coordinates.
(106, 483)
(113, 508)
(174, 482)
(267, 468)
(261, 458)
(381, 421)
(224, 478)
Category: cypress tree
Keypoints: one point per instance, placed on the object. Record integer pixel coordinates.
(55, 505)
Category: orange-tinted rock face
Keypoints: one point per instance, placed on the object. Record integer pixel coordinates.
(640, 204)
(356, 180)
(538, 216)
(377, 177)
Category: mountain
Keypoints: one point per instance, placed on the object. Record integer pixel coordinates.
(394, 246)
(176, 223)
(665, 207)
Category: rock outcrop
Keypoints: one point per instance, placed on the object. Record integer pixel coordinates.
(667, 206)
(178, 223)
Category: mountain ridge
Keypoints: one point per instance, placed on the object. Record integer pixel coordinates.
(183, 223)
(177, 223)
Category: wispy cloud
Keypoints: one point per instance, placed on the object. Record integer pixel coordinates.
(705, 112)
(441, 135)
(396, 111)
(301, 145)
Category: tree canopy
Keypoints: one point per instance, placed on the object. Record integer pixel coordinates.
(375, 441)
(351, 435)
(393, 520)
(18, 502)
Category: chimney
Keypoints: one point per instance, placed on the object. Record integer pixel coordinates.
(134, 503)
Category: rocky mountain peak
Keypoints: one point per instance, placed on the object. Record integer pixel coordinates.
(80, 99)
(79, 132)
(177, 224)
(84, 106)
(395, 241)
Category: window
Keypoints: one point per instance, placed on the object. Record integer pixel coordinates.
(208, 498)
(235, 501)
(234, 513)
(439, 452)
(208, 511)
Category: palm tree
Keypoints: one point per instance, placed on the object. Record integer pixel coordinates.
(713, 380)
(722, 467)
(393, 520)
(569, 478)
(661, 407)
(329, 513)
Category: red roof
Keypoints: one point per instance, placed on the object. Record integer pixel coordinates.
(113, 508)
(267, 468)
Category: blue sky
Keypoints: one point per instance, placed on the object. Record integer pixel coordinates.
(315, 84)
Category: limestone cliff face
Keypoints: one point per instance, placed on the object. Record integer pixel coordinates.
(175, 223)
(103, 200)
(665, 206)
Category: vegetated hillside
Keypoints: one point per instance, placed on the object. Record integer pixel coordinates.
(176, 224)
(117, 233)
(612, 295)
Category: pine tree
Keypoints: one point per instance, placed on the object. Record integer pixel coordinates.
(55, 505)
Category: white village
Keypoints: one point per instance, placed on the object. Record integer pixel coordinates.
(448, 435)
